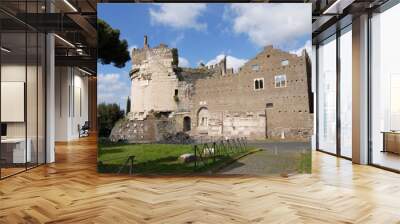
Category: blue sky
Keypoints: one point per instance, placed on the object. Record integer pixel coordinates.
(202, 33)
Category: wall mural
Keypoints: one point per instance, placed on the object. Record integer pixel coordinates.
(186, 108)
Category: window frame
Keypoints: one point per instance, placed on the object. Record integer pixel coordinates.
(280, 81)
(285, 62)
(255, 67)
(260, 82)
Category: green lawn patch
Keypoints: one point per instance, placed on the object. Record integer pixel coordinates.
(305, 162)
(153, 158)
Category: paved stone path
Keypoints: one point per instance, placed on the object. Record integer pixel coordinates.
(274, 158)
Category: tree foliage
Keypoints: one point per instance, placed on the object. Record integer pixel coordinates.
(175, 58)
(110, 48)
(128, 105)
(108, 115)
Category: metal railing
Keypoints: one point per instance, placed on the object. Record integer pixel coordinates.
(205, 153)
(208, 152)
(130, 159)
(118, 168)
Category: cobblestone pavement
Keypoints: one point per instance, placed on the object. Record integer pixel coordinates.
(274, 158)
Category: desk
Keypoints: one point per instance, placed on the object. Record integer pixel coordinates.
(391, 141)
(13, 150)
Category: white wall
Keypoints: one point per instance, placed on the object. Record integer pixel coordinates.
(80, 96)
(71, 87)
(17, 126)
(17, 73)
(61, 105)
(14, 73)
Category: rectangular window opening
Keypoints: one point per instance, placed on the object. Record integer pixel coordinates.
(280, 81)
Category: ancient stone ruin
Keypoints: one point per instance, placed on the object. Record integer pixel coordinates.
(269, 97)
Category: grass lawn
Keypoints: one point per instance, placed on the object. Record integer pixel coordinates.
(151, 158)
(305, 162)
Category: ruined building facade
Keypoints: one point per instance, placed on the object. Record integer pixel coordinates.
(269, 97)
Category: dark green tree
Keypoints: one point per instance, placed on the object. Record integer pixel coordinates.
(110, 48)
(128, 105)
(108, 115)
(175, 58)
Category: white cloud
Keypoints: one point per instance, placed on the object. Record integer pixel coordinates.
(306, 46)
(112, 88)
(179, 16)
(231, 62)
(265, 24)
(183, 62)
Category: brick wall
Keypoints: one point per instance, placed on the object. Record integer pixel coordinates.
(288, 107)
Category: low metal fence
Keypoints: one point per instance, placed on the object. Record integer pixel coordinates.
(117, 168)
(205, 153)
(209, 152)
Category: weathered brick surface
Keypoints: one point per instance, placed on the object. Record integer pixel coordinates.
(148, 130)
(220, 102)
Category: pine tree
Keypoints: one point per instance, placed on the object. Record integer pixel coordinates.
(128, 105)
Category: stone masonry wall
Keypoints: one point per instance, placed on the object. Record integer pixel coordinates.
(148, 130)
(288, 111)
(154, 82)
(237, 124)
(134, 131)
(218, 101)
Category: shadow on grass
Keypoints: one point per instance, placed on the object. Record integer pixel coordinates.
(111, 151)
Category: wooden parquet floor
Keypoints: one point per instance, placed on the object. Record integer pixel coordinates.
(71, 191)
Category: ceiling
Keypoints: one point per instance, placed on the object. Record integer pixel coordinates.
(331, 15)
(74, 21)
